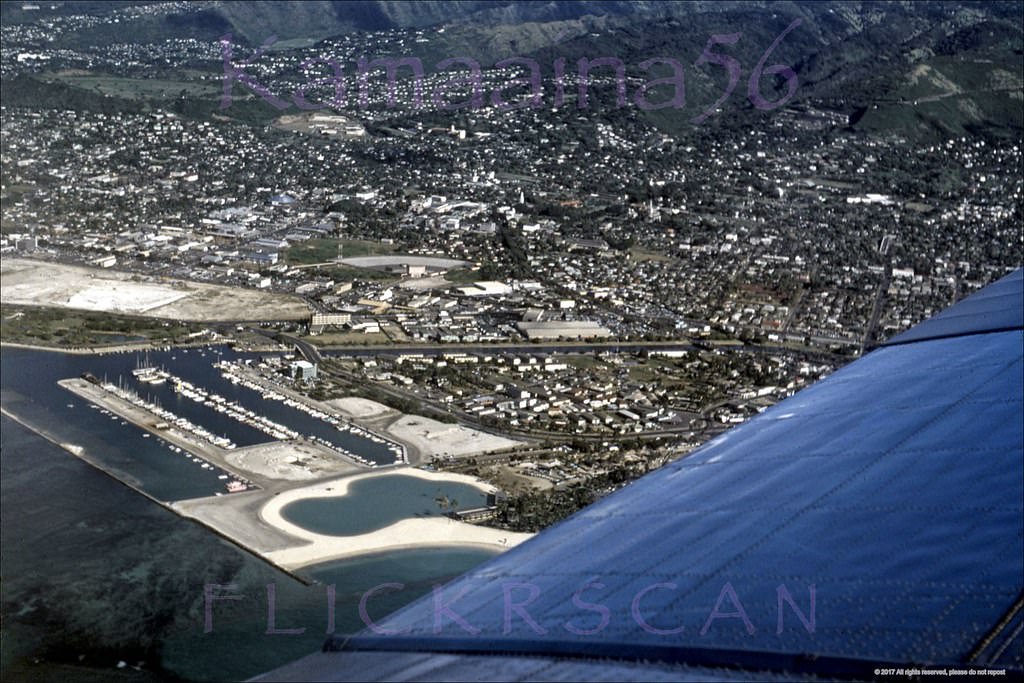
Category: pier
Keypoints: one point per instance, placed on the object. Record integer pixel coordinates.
(246, 464)
(239, 373)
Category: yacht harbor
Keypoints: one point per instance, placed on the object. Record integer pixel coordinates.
(219, 436)
(235, 372)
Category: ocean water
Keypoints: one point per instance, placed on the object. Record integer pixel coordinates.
(93, 574)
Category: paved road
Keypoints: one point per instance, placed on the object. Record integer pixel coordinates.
(313, 355)
(876, 309)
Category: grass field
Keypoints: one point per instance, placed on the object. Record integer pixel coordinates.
(585, 362)
(60, 327)
(347, 338)
(130, 88)
(649, 372)
(348, 273)
(462, 276)
(7, 227)
(639, 254)
(326, 250)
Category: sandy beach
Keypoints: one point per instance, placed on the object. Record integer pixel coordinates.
(407, 533)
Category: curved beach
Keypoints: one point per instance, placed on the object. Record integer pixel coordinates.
(407, 533)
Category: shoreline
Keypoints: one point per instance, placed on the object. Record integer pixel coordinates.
(432, 532)
(108, 350)
(80, 350)
(304, 549)
(252, 520)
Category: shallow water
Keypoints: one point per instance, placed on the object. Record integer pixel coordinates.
(363, 509)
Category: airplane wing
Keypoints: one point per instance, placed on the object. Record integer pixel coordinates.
(871, 522)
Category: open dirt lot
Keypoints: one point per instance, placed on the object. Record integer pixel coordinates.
(38, 283)
(432, 438)
(403, 259)
(425, 283)
(361, 408)
(289, 461)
